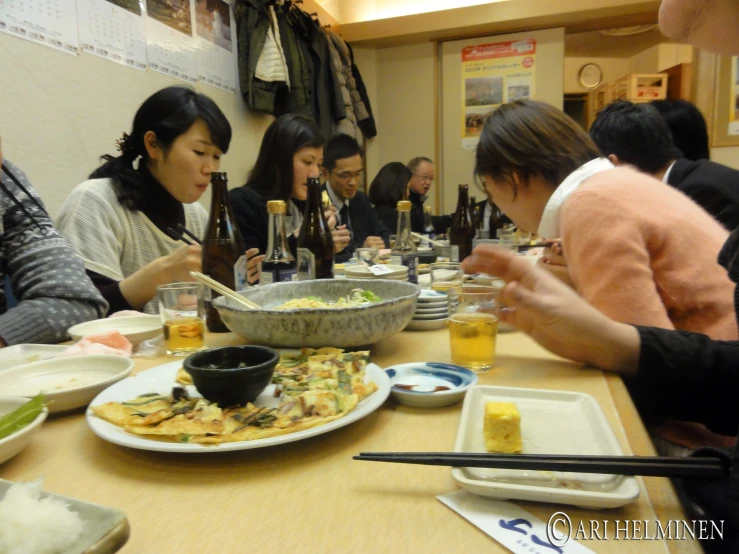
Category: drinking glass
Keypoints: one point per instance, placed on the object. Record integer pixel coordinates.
(182, 312)
(446, 275)
(473, 326)
(365, 255)
(507, 238)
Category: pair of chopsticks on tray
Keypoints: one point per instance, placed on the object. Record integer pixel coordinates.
(653, 466)
(17, 202)
(182, 233)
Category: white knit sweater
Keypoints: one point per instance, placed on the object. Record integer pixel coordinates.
(115, 241)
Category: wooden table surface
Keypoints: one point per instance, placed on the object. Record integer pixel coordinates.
(310, 496)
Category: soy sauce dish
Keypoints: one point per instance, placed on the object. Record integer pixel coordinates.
(232, 374)
(428, 384)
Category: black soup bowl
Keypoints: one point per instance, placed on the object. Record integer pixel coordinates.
(232, 374)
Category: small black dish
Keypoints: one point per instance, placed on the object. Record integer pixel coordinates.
(427, 258)
(217, 375)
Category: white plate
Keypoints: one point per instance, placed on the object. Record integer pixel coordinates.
(161, 379)
(66, 383)
(105, 529)
(428, 295)
(422, 309)
(136, 328)
(12, 444)
(425, 324)
(552, 422)
(20, 354)
(424, 317)
(357, 272)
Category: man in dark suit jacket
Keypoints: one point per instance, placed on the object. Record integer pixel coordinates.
(637, 135)
(343, 171)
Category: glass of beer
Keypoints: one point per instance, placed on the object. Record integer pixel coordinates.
(446, 276)
(473, 325)
(182, 311)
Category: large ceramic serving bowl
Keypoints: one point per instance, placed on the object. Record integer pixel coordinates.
(317, 327)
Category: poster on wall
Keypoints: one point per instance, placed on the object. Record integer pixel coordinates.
(170, 45)
(48, 22)
(215, 28)
(114, 30)
(493, 74)
(734, 98)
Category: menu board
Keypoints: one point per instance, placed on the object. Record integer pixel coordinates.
(113, 29)
(170, 46)
(215, 28)
(48, 22)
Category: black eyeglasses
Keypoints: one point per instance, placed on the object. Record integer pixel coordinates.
(17, 202)
(347, 175)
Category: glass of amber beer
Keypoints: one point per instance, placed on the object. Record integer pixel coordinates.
(181, 308)
(473, 325)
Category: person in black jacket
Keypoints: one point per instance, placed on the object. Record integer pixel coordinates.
(343, 170)
(291, 152)
(389, 186)
(422, 169)
(636, 134)
(688, 127)
(491, 216)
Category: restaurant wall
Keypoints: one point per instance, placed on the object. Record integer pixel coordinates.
(366, 61)
(59, 113)
(613, 68)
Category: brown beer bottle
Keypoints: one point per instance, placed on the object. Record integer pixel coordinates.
(315, 244)
(462, 230)
(224, 258)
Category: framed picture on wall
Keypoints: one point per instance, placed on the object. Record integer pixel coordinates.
(726, 102)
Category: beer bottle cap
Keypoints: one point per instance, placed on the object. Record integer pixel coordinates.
(404, 206)
(276, 207)
(219, 176)
(427, 209)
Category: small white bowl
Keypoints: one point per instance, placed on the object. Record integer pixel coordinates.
(136, 328)
(12, 444)
(425, 377)
(66, 383)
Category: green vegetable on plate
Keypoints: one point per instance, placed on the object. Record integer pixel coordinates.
(21, 416)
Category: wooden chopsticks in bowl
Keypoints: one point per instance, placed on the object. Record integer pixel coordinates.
(653, 466)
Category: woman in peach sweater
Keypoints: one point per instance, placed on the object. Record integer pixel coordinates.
(636, 249)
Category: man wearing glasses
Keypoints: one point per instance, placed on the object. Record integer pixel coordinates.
(343, 171)
(419, 186)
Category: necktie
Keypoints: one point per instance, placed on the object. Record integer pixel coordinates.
(344, 215)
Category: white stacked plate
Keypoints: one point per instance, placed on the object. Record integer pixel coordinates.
(397, 273)
(432, 311)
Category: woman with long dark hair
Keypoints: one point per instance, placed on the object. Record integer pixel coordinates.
(291, 152)
(118, 220)
(388, 187)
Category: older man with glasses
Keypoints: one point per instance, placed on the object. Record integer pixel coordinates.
(423, 177)
(344, 172)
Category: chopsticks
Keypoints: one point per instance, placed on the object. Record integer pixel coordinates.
(653, 466)
(224, 290)
(419, 236)
(181, 233)
(17, 202)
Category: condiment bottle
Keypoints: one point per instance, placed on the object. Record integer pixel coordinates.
(279, 264)
(404, 252)
(315, 244)
(224, 258)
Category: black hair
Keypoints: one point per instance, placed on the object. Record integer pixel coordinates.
(390, 184)
(415, 162)
(272, 174)
(636, 133)
(531, 138)
(340, 147)
(169, 113)
(688, 127)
